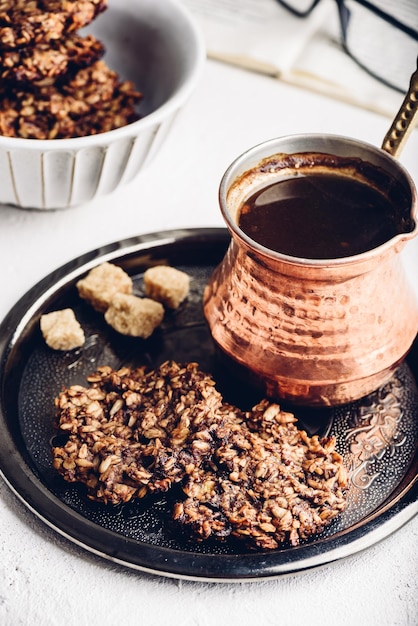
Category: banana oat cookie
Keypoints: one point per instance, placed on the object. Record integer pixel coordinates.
(90, 102)
(30, 22)
(44, 64)
(135, 431)
(252, 475)
(267, 486)
(54, 84)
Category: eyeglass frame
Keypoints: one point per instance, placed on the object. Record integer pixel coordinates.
(344, 14)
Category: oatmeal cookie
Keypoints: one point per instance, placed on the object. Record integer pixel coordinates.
(127, 431)
(44, 64)
(31, 22)
(267, 491)
(252, 475)
(91, 102)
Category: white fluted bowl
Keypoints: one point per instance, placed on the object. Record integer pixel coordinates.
(156, 44)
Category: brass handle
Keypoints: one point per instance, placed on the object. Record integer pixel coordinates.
(404, 121)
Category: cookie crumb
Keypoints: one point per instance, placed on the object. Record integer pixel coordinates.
(134, 316)
(61, 330)
(167, 285)
(102, 283)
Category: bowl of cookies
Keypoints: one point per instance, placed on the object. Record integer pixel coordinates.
(89, 90)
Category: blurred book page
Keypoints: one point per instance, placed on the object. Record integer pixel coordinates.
(259, 33)
(263, 36)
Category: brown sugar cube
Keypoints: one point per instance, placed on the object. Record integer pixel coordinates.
(166, 285)
(61, 330)
(102, 283)
(134, 316)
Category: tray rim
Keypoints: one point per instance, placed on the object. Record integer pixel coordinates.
(382, 522)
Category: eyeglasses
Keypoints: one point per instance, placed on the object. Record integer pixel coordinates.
(384, 44)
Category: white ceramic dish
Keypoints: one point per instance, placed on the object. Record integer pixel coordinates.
(158, 46)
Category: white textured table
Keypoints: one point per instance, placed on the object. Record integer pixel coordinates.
(45, 579)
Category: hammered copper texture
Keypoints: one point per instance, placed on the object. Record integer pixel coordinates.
(312, 332)
(311, 341)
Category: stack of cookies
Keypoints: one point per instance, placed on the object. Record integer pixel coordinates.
(53, 82)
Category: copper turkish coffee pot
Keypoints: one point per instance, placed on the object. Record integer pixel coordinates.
(314, 332)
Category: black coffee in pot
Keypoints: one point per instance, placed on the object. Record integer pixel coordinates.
(320, 216)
